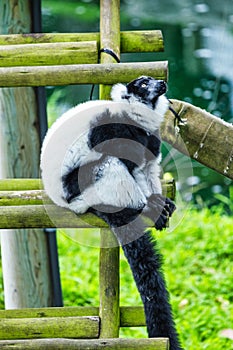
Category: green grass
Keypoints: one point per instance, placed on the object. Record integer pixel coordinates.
(198, 265)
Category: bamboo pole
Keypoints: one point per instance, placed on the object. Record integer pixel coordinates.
(130, 316)
(204, 137)
(131, 41)
(97, 344)
(47, 216)
(80, 74)
(20, 184)
(49, 54)
(85, 327)
(109, 251)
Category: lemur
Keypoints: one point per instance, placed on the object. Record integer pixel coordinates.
(111, 168)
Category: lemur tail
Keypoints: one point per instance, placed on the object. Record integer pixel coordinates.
(145, 262)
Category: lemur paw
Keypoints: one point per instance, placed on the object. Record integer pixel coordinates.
(159, 210)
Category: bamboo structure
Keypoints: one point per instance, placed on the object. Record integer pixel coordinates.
(23, 202)
(59, 59)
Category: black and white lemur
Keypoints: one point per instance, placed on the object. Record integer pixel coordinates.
(103, 157)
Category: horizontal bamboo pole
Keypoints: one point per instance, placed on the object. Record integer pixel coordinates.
(24, 184)
(18, 197)
(130, 316)
(46, 216)
(32, 197)
(80, 74)
(49, 54)
(131, 41)
(203, 137)
(64, 344)
(50, 327)
(20, 184)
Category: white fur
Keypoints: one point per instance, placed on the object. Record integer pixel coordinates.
(65, 145)
(118, 92)
(116, 188)
(148, 118)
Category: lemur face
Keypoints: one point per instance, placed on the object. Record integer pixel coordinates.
(146, 90)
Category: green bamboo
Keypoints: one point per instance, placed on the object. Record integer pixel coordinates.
(72, 311)
(50, 327)
(97, 344)
(20, 184)
(130, 316)
(109, 281)
(49, 54)
(16, 198)
(131, 41)
(80, 74)
(37, 216)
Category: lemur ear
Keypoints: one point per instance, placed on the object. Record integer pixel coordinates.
(119, 92)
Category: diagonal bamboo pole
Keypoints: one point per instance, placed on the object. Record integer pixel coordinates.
(204, 137)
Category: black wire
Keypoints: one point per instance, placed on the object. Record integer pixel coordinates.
(109, 52)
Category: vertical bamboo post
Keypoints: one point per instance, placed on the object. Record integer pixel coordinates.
(24, 253)
(109, 257)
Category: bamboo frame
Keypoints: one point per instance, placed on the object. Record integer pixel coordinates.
(32, 207)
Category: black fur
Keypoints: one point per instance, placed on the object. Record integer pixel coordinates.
(119, 136)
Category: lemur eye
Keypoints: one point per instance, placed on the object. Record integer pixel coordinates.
(143, 85)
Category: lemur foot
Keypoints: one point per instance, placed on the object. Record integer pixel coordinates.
(159, 210)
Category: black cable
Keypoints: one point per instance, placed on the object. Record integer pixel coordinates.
(43, 124)
(109, 52)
